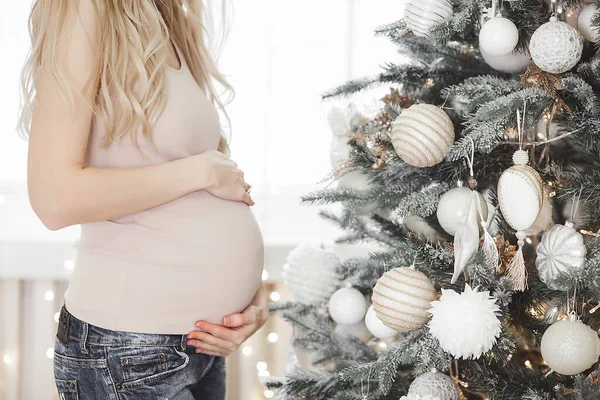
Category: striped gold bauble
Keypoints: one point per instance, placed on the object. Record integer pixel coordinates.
(422, 135)
(401, 298)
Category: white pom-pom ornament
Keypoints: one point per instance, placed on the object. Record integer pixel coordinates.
(310, 274)
(555, 46)
(421, 15)
(561, 250)
(453, 207)
(422, 135)
(498, 36)
(432, 386)
(347, 306)
(584, 23)
(570, 347)
(465, 324)
(401, 298)
(511, 63)
(377, 327)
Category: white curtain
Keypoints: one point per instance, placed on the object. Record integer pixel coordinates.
(280, 56)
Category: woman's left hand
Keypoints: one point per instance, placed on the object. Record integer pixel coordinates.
(223, 340)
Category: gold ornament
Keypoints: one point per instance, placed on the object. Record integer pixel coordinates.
(401, 298)
(534, 76)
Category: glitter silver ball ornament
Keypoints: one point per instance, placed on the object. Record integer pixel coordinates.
(422, 135)
(561, 249)
(555, 47)
(310, 273)
(570, 347)
(421, 15)
(432, 386)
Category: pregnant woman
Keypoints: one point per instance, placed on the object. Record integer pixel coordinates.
(124, 138)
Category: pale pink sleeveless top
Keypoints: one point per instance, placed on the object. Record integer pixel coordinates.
(160, 270)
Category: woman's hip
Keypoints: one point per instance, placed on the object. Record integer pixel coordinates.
(91, 362)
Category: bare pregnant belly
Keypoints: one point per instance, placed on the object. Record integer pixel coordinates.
(159, 271)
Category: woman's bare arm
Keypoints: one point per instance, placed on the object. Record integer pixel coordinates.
(62, 191)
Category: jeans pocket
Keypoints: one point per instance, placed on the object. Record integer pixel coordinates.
(67, 389)
(144, 365)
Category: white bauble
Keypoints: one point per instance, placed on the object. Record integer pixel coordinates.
(421, 15)
(465, 324)
(570, 347)
(510, 63)
(401, 298)
(347, 306)
(561, 250)
(377, 327)
(310, 273)
(584, 23)
(544, 218)
(432, 386)
(498, 36)
(555, 47)
(453, 207)
(422, 135)
(358, 331)
(520, 196)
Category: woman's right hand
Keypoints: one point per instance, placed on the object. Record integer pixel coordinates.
(224, 179)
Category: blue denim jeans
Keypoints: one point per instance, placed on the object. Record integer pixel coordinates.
(102, 364)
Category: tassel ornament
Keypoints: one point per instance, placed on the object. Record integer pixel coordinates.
(516, 270)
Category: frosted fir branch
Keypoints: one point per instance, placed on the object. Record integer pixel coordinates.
(486, 127)
(461, 24)
(331, 195)
(583, 93)
(590, 71)
(317, 385)
(480, 89)
(393, 31)
(422, 203)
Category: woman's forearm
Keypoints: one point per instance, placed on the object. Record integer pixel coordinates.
(96, 194)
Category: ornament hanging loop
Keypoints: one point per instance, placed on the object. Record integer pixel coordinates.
(575, 205)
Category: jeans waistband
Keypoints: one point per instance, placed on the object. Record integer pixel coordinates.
(88, 334)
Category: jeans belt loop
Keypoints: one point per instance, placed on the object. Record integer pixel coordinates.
(84, 334)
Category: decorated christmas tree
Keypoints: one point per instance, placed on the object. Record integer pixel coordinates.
(479, 179)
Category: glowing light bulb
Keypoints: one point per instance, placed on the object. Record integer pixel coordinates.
(7, 359)
(269, 394)
(273, 337)
(56, 315)
(383, 345)
(50, 352)
(528, 364)
(247, 350)
(69, 265)
(261, 366)
(265, 275)
(49, 295)
(275, 296)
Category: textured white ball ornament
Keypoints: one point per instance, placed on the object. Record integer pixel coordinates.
(376, 327)
(347, 306)
(498, 36)
(555, 46)
(453, 207)
(520, 196)
(422, 135)
(432, 386)
(465, 324)
(401, 298)
(510, 63)
(421, 15)
(561, 249)
(584, 23)
(310, 273)
(570, 347)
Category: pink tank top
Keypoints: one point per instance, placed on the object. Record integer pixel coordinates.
(160, 270)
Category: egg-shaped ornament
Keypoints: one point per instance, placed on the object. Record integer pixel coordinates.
(544, 220)
(421, 15)
(377, 327)
(585, 25)
(401, 298)
(561, 250)
(511, 63)
(453, 207)
(310, 274)
(556, 46)
(347, 306)
(422, 135)
(432, 386)
(498, 36)
(569, 346)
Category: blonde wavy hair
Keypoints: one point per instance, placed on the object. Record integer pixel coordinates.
(134, 36)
